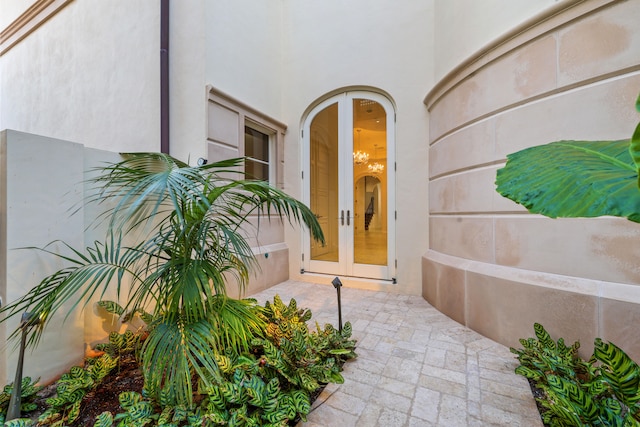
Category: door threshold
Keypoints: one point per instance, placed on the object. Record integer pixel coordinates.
(347, 281)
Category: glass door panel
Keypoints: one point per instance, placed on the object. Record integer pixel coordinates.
(347, 150)
(324, 181)
(370, 183)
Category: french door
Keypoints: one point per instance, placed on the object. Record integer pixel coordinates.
(349, 179)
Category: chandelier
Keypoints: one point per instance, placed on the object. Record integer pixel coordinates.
(375, 167)
(360, 157)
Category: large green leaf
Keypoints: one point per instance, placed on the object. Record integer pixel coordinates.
(573, 179)
(634, 148)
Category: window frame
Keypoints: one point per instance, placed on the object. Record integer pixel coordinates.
(270, 147)
(226, 121)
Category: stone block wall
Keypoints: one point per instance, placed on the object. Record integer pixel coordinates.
(573, 73)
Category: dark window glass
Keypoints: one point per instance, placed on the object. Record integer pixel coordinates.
(256, 149)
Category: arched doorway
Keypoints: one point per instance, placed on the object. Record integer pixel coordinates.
(349, 180)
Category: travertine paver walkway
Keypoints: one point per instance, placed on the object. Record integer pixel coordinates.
(415, 366)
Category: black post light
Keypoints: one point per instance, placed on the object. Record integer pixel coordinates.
(26, 322)
(338, 284)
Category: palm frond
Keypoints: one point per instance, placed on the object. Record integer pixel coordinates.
(193, 223)
(104, 265)
(175, 351)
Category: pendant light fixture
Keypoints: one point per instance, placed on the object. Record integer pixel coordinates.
(360, 157)
(375, 167)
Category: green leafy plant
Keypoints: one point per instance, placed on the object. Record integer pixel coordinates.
(194, 223)
(29, 390)
(304, 358)
(603, 391)
(273, 383)
(119, 344)
(19, 422)
(576, 178)
(138, 411)
(269, 385)
(129, 341)
(64, 408)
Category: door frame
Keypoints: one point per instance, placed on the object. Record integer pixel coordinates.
(346, 265)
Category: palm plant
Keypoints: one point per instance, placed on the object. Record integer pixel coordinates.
(193, 225)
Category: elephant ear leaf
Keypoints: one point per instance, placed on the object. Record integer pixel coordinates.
(574, 179)
(634, 147)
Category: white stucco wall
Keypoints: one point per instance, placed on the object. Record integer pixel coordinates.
(462, 27)
(11, 9)
(244, 40)
(89, 74)
(188, 97)
(218, 43)
(35, 203)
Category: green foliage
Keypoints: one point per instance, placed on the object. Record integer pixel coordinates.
(29, 389)
(105, 419)
(596, 178)
(600, 392)
(138, 411)
(634, 148)
(620, 372)
(576, 178)
(64, 408)
(120, 344)
(193, 223)
(125, 316)
(268, 385)
(19, 422)
(273, 383)
(306, 359)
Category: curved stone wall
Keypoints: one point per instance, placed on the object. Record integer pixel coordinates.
(572, 73)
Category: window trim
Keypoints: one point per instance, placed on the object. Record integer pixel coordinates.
(255, 119)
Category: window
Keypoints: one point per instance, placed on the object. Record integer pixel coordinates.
(257, 146)
(237, 130)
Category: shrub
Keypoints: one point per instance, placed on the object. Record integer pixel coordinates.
(603, 391)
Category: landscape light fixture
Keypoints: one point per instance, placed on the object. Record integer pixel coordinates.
(338, 284)
(27, 321)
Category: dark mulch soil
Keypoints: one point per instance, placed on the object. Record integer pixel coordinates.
(538, 394)
(104, 398)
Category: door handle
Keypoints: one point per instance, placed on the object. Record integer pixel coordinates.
(348, 217)
(342, 217)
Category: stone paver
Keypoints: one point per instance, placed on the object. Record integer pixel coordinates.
(415, 366)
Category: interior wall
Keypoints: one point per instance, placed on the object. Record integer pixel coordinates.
(490, 264)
